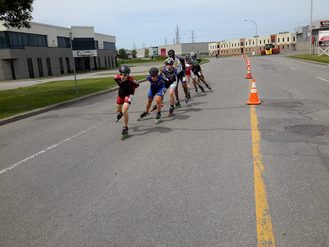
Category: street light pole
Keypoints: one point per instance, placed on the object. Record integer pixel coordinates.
(74, 70)
(311, 36)
(256, 34)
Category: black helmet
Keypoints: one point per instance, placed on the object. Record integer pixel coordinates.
(124, 69)
(168, 61)
(187, 57)
(154, 71)
(171, 53)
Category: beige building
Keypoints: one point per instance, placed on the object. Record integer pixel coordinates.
(180, 49)
(286, 41)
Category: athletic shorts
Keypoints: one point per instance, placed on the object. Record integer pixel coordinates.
(160, 92)
(197, 73)
(181, 77)
(121, 100)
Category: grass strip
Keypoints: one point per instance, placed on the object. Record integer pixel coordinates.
(16, 101)
(316, 58)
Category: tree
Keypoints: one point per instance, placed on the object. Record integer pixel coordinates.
(16, 13)
(146, 53)
(134, 53)
(122, 53)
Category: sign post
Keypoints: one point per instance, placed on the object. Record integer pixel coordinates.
(74, 70)
(323, 48)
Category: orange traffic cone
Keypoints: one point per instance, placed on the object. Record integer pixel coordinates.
(248, 76)
(253, 96)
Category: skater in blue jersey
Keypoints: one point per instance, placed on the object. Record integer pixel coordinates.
(157, 89)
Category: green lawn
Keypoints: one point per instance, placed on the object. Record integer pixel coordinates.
(15, 101)
(322, 59)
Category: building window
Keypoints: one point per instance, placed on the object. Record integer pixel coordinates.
(68, 66)
(283, 39)
(105, 61)
(113, 62)
(99, 62)
(61, 66)
(268, 41)
(278, 40)
(287, 39)
(30, 66)
(63, 42)
(48, 63)
(109, 62)
(83, 44)
(39, 61)
(109, 46)
(3, 40)
(20, 40)
(294, 39)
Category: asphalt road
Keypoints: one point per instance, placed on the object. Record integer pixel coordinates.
(66, 178)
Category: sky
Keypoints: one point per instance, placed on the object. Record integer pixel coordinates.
(145, 23)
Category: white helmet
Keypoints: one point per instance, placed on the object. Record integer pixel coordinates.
(192, 54)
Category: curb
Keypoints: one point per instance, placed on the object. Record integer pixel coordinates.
(56, 106)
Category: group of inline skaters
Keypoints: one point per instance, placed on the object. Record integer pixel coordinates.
(176, 69)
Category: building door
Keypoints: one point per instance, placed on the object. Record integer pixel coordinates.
(86, 61)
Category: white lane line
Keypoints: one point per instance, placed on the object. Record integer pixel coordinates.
(321, 79)
(293, 68)
(47, 149)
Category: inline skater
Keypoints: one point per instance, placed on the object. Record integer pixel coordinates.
(179, 65)
(169, 74)
(127, 85)
(157, 90)
(196, 69)
(195, 82)
(188, 67)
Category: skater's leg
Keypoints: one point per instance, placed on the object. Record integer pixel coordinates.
(125, 109)
(119, 111)
(158, 100)
(195, 84)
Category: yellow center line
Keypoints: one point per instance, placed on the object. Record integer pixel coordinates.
(264, 223)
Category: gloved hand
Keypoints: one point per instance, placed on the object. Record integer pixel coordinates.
(117, 78)
(130, 99)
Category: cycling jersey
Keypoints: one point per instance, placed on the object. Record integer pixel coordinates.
(127, 87)
(169, 76)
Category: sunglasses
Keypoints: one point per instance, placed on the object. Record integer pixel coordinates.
(124, 74)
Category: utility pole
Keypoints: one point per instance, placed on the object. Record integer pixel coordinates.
(74, 70)
(177, 35)
(311, 29)
(192, 36)
(256, 34)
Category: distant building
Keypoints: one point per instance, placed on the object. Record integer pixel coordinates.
(45, 50)
(303, 37)
(180, 49)
(286, 41)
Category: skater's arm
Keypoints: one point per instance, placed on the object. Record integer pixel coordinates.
(117, 79)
